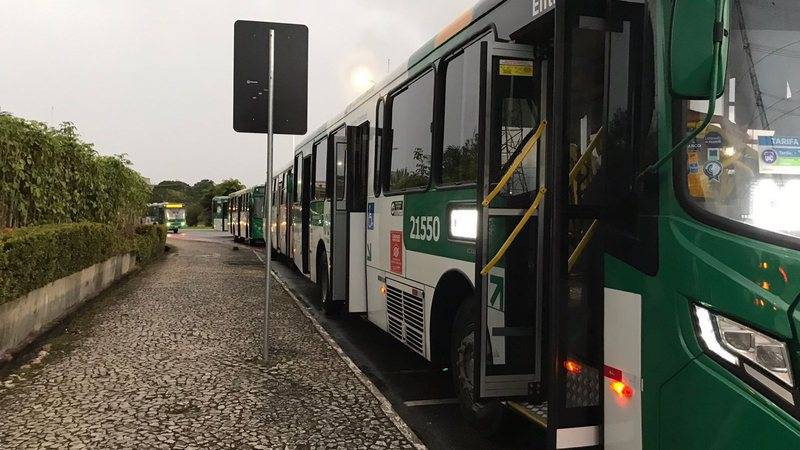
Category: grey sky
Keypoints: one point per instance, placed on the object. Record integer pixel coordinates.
(152, 78)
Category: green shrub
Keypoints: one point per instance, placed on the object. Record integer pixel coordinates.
(50, 175)
(31, 257)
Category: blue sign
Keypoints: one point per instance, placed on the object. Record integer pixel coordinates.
(370, 216)
(779, 155)
(769, 156)
(713, 139)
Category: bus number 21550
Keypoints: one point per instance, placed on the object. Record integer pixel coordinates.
(425, 228)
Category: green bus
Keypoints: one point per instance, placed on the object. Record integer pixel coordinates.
(171, 214)
(246, 215)
(587, 210)
(219, 212)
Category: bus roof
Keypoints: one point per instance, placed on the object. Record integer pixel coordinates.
(461, 23)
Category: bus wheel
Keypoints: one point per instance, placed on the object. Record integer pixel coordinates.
(487, 417)
(323, 282)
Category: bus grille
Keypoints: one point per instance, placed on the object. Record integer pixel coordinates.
(406, 315)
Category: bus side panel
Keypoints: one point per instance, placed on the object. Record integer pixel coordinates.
(622, 354)
(356, 261)
(377, 301)
(390, 235)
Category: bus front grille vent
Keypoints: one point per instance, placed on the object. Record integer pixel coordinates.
(406, 315)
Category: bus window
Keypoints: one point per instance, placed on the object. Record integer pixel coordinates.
(516, 119)
(409, 146)
(460, 141)
(339, 141)
(258, 207)
(376, 175)
(320, 171)
(298, 180)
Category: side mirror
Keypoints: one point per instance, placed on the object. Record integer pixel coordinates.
(694, 32)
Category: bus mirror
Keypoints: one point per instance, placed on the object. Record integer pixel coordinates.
(694, 33)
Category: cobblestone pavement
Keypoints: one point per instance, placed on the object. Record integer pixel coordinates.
(170, 359)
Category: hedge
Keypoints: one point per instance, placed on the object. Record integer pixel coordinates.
(49, 175)
(31, 257)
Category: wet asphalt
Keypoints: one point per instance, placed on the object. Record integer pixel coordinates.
(422, 394)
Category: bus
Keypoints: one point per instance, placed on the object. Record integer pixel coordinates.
(586, 210)
(246, 215)
(171, 214)
(219, 212)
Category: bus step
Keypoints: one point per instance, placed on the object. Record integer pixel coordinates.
(536, 413)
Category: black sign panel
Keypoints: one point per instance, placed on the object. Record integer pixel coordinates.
(251, 77)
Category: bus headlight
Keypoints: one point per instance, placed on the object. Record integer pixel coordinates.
(464, 223)
(743, 346)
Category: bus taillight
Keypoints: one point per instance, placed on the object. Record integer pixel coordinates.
(621, 389)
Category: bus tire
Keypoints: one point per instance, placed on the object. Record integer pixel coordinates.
(487, 417)
(323, 282)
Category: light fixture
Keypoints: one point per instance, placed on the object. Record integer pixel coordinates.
(464, 223)
(741, 345)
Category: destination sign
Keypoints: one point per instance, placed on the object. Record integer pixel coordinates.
(542, 6)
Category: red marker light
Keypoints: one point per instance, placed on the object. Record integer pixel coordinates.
(572, 367)
(783, 272)
(621, 389)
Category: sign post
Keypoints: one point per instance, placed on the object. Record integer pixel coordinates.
(286, 107)
(268, 190)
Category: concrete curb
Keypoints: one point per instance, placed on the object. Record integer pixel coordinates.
(386, 406)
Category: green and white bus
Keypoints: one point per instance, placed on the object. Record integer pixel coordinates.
(219, 212)
(588, 210)
(246, 215)
(171, 214)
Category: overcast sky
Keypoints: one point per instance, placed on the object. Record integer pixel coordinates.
(152, 78)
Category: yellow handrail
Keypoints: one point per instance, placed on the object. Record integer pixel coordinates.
(585, 156)
(581, 246)
(516, 231)
(515, 165)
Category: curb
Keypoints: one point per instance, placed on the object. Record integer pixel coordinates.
(386, 406)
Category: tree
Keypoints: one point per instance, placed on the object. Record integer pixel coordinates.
(228, 186)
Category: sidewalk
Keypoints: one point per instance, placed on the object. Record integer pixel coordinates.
(170, 359)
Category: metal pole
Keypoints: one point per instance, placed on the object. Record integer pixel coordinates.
(268, 195)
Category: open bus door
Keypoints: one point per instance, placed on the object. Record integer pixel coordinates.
(539, 273)
(509, 277)
(348, 149)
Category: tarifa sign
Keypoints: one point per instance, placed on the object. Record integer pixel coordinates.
(542, 6)
(779, 155)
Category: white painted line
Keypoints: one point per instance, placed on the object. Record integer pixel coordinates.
(386, 406)
(262, 262)
(432, 402)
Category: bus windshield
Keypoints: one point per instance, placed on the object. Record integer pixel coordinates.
(175, 214)
(746, 165)
(258, 207)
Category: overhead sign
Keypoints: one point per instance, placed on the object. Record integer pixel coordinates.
(251, 77)
(542, 6)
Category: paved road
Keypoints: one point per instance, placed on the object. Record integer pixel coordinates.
(422, 394)
(169, 358)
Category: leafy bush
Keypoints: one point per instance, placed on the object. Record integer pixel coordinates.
(49, 175)
(31, 257)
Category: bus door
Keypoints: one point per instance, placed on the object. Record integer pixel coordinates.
(337, 149)
(286, 214)
(358, 146)
(305, 194)
(509, 259)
